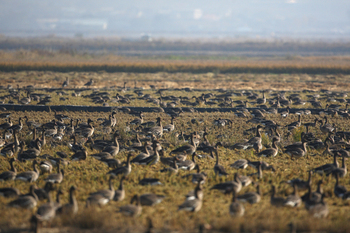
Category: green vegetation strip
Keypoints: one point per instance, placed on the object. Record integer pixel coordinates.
(172, 68)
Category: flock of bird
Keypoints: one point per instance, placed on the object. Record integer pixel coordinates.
(149, 148)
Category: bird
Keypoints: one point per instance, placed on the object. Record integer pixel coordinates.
(339, 190)
(106, 194)
(240, 164)
(340, 171)
(251, 197)
(197, 177)
(195, 204)
(276, 201)
(270, 152)
(124, 170)
(294, 199)
(47, 211)
(236, 208)
(301, 184)
(228, 186)
(255, 142)
(132, 210)
(151, 199)
(219, 169)
(28, 201)
(70, 208)
(29, 176)
(327, 168)
(90, 83)
(190, 149)
(56, 178)
(119, 194)
(9, 192)
(79, 155)
(11, 174)
(65, 83)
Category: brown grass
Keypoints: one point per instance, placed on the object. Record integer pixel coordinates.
(90, 176)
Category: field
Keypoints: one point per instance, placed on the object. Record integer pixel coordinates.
(90, 175)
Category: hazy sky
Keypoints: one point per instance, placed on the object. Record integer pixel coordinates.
(180, 18)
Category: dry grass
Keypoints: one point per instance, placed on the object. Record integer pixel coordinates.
(90, 175)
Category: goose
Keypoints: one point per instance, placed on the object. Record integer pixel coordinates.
(70, 129)
(29, 176)
(228, 186)
(251, 197)
(325, 127)
(170, 127)
(65, 83)
(339, 190)
(264, 165)
(45, 166)
(107, 123)
(7, 124)
(240, 164)
(58, 203)
(56, 178)
(55, 161)
(132, 210)
(236, 208)
(113, 163)
(296, 152)
(75, 147)
(137, 121)
(327, 168)
(188, 164)
(171, 170)
(47, 211)
(107, 194)
(319, 210)
(151, 199)
(270, 152)
(194, 204)
(340, 171)
(315, 196)
(293, 200)
(70, 208)
(142, 155)
(27, 201)
(79, 155)
(255, 142)
(219, 169)
(9, 192)
(9, 175)
(246, 180)
(151, 160)
(276, 201)
(42, 192)
(17, 127)
(113, 149)
(285, 113)
(261, 100)
(119, 194)
(86, 132)
(90, 83)
(125, 170)
(295, 124)
(155, 130)
(190, 149)
(301, 184)
(136, 143)
(31, 153)
(102, 155)
(199, 176)
(150, 181)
